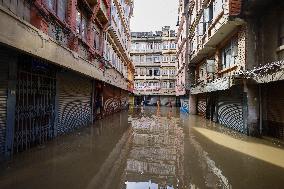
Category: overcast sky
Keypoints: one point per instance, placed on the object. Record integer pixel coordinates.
(151, 15)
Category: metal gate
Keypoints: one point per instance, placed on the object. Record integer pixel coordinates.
(3, 98)
(75, 93)
(35, 104)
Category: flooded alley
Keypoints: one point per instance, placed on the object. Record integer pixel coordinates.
(148, 148)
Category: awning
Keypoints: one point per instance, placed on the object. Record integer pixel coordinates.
(267, 73)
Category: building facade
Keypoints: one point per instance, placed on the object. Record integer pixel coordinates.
(182, 75)
(154, 57)
(237, 73)
(56, 72)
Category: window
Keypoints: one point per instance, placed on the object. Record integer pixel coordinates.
(142, 58)
(172, 72)
(81, 24)
(173, 46)
(173, 58)
(142, 71)
(229, 54)
(149, 71)
(149, 59)
(164, 72)
(171, 85)
(156, 71)
(96, 39)
(58, 7)
(156, 58)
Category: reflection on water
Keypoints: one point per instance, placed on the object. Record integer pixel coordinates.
(148, 148)
(156, 156)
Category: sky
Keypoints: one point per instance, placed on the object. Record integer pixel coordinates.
(152, 15)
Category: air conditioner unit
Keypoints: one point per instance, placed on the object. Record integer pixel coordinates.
(210, 66)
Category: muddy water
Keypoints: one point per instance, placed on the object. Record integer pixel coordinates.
(148, 148)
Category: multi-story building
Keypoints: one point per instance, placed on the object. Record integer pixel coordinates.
(56, 74)
(236, 55)
(182, 75)
(154, 58)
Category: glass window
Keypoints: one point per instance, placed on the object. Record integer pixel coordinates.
(81, 24)
(96, 39)
(229, 54)
(59, 7)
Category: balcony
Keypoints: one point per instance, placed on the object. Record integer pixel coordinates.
(222, 25)
(143, 64)
(168, 64)
(144, 51)
(165, 77)
(147, 77)
(154, 91)
(169, 51)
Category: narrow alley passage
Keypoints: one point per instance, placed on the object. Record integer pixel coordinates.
(148, 148)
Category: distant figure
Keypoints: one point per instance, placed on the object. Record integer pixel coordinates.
(158, 104)
(171, 104)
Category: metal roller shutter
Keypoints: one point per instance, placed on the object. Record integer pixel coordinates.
(111, 103)
(4, 60)
(74, 102)
(230, 110)
(124, 99)
(275, 110)
(117, 97)
(201, 104)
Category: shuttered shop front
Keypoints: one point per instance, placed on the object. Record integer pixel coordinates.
(74, 101)
(274, 121)
(201, 104)
(111, 102)
(4, 62)
(124, 99)
(230, 109)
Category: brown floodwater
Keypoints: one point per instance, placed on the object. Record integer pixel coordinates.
(148, 148)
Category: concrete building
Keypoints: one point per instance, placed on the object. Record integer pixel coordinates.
(154, 57)
(235, 73)
(56, 70)
(182, 86)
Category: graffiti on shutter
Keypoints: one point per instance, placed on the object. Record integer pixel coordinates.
(74, 102)
(201, 104)
(230, 113)
(111, 103)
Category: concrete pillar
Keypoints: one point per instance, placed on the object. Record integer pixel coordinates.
(192, 104)
(252, 113)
